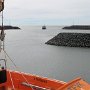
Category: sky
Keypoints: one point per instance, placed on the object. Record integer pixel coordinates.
(48, 12)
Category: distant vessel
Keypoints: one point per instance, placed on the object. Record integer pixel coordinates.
(16, 80)
(44, 27)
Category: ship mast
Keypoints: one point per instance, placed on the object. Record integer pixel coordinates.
(2, 34)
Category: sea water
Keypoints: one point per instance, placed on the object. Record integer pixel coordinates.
(28, 50)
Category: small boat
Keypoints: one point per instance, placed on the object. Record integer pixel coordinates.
(44, 27)
(16, 80)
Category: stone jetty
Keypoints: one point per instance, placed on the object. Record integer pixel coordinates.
(71, 40)
(9, 27)
(80, 27)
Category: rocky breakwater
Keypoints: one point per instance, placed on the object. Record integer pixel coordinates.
(9, 27)
(76, 27)
(71, 40)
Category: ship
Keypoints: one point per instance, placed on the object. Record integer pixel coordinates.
(44, 27)
(16, 80)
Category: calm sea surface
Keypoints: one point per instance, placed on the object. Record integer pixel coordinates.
(28, 50)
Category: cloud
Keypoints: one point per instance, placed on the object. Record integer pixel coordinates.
(47, 9)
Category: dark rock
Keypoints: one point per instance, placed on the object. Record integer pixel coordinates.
(71, 39)
(9, 27)
(82, 27)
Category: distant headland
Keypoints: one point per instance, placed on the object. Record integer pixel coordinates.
(6, 27)
(80, 27)
(71, 40)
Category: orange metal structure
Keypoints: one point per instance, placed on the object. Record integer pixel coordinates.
(22, 81)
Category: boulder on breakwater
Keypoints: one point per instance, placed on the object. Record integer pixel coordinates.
(71, 40)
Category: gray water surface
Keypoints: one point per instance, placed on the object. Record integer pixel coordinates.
(28, 50)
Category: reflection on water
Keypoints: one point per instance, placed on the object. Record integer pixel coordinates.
(28, 50)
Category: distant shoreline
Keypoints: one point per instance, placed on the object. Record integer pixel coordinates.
(6, 27)
(80, 27)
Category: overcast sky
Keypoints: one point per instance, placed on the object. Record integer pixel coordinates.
(49, 12)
